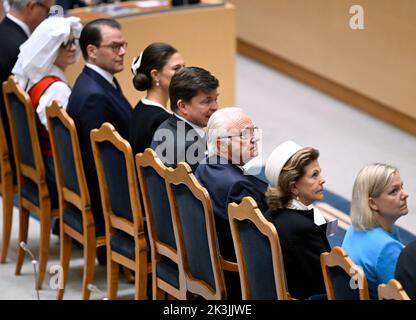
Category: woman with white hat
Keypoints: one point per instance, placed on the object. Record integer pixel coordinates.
(41, 63)
(296, 182)
(39, 69)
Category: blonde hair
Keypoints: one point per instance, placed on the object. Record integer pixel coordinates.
(293, 170)
(371, 181)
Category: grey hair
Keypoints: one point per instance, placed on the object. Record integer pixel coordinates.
(20, 5)
(371, 181)
(218, 125)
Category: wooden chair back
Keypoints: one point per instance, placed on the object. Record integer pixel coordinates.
(393, 290)
(122, 210)
(76, 218)
(7, 185)
(165, 261)
(344, 280)
(259, 256)
(195, 233)
(34, 193)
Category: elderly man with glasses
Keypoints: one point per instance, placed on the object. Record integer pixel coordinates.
(97, 97)
(232, 141)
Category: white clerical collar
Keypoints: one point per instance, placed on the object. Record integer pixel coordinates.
(20, 23)
(105, 74)
(154, 103)
(198, 129)
(298, 205)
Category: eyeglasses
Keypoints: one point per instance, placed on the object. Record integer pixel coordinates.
(246, 134)
(69, 43)
(115, 46)
(44, 6)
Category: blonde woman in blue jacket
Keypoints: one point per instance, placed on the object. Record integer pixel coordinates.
(372, 242)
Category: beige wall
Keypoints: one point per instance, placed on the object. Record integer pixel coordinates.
(378, 62)
(204, 36)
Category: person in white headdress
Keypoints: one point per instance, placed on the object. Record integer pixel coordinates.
(152, 72)
(296, 182)
(43, 58)
(39, 69)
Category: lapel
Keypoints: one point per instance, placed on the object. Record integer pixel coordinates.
(116, 96)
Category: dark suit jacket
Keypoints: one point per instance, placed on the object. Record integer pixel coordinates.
(406, 269)
(94, 101)
(176, 141)
(11, 37)
(144, 122)
(302, 243)
(227, 183)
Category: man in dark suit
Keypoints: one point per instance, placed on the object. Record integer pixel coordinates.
(23, 18)
(193, 93)
(97, 98)
(232, 142)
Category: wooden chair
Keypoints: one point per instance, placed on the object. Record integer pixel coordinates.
(165, 261)
(76, 218)
(200, 262)
(8, 187)
(125, 234)
(34, 193)
(393, 290)
(259, 256)
(343, 279)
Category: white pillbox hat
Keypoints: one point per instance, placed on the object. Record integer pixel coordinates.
(277, 160)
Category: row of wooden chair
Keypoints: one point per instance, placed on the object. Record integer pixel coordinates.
(184, 247)
(121, 206)
(185, 257)
(261, 267)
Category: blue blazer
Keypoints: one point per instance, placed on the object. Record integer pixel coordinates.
(227, 183)
(94, 101)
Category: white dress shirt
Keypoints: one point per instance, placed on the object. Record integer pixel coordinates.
(105, 74)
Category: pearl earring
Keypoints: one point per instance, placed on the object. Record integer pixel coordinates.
(157, 83)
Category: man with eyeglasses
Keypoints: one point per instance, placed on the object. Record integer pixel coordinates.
(232, 141)
(24, 16)
(97, 97)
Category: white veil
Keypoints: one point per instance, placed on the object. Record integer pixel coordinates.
(39, 52)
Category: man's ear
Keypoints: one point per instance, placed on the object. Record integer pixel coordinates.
(372, 204)
(181, 105)
(31, 4)
(91, 52)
